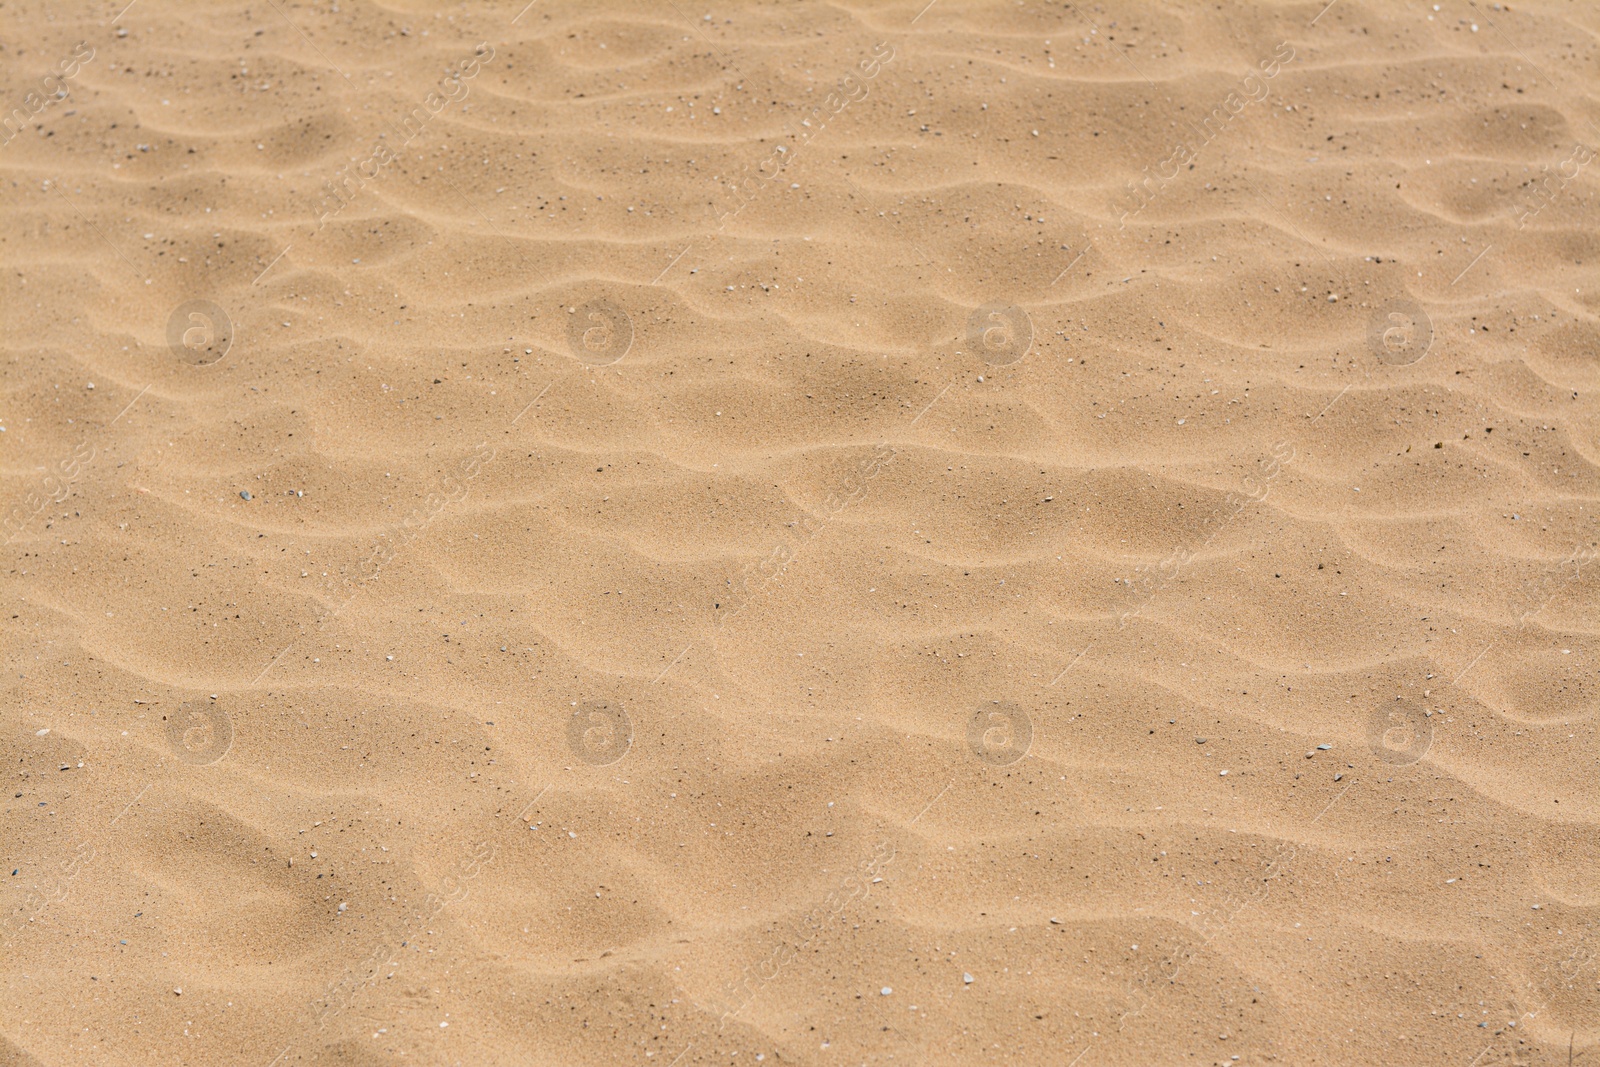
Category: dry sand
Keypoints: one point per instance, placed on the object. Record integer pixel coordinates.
(793, 533)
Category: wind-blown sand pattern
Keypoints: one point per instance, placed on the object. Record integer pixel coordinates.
(915, 533)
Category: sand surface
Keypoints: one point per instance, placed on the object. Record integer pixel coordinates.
(829, 534)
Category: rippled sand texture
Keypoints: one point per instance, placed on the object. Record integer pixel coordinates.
(794, 533)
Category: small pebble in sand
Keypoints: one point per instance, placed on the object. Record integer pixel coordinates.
(966, 978)
(245, 493)
(886, 991)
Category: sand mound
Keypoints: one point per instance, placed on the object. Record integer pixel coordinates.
(923, 533)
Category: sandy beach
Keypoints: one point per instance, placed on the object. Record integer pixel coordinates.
(798, 533)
